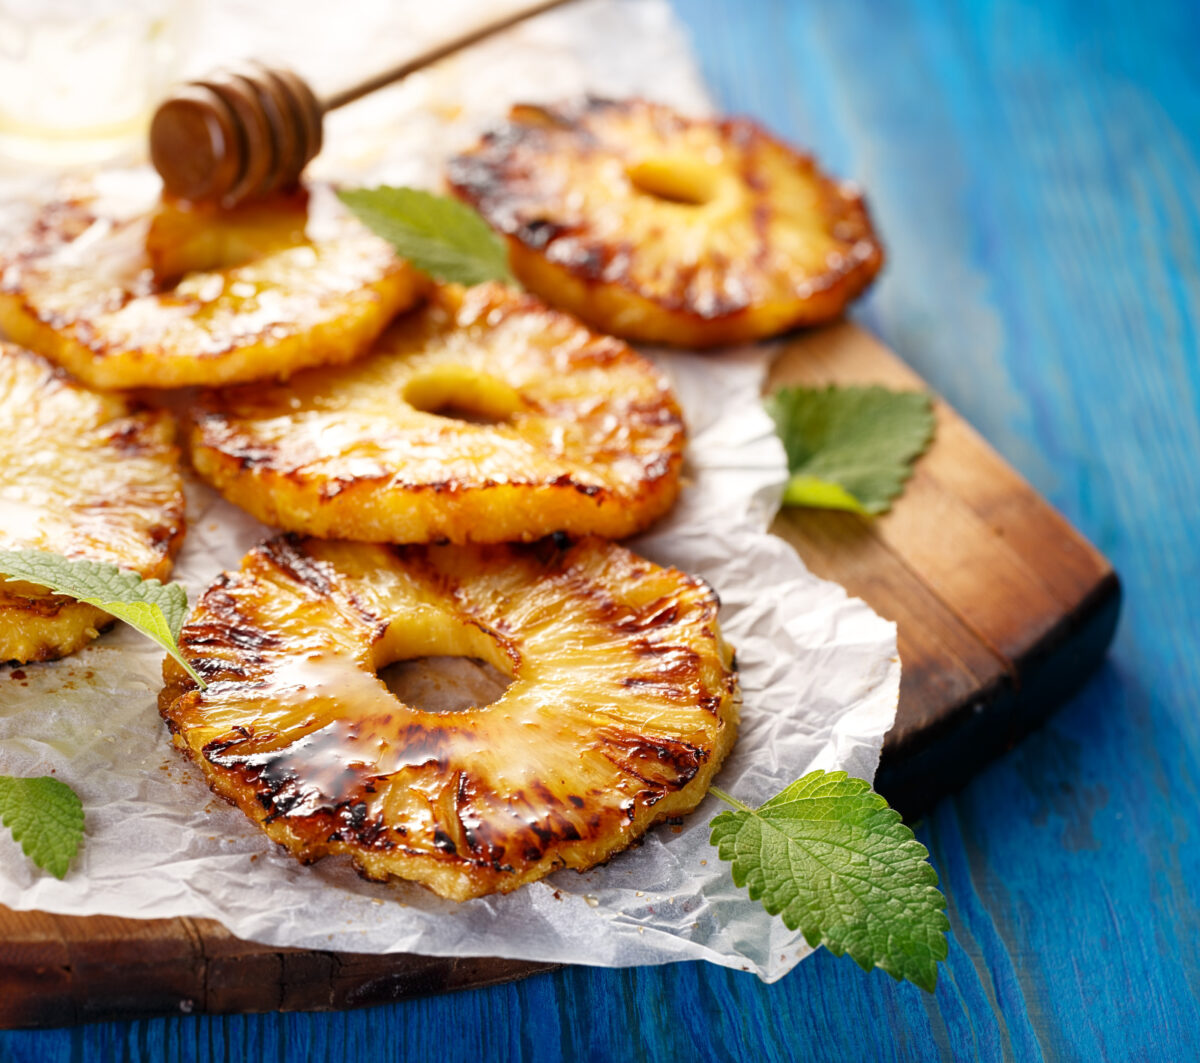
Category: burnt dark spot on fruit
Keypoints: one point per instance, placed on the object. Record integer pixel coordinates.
(538, 232)
(211, 667)
(334, 486)
(287, 554)
(657, 614)
(659, 761)
(583, 258)
(129, 436)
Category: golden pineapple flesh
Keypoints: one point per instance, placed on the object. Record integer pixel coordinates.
(621, 707)
(666, 229)
(84, 475)
(128, 293)
(581, 434)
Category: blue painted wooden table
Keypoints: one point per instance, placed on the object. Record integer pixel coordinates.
(1035, 170)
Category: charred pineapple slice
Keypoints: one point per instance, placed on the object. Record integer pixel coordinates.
(580, 433)
(137, 294)
(666, 229)
(621, 708)
(84, 475)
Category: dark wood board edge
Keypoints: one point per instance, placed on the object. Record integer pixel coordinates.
(940, 760)
(61, 982)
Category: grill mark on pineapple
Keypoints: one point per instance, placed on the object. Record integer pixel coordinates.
(539, 232)
(634, 753)
(222, 642)
(676, 670)
(56, 224)
(225, 623)
(321, 771)
(215, 432)
(313, 770)
(45, 607)
(238, 735)
(287, 554)
(135, 438)
(164, 538)
(532, 823)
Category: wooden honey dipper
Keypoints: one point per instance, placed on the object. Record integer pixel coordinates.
(250, 129)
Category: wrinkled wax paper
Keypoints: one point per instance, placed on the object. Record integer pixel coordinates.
(819, 671)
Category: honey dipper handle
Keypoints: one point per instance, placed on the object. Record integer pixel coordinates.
(433, 54)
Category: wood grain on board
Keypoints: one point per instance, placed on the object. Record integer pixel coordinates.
(1002, 611)
(1002, 608)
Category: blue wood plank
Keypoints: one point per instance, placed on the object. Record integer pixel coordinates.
(1034, 168)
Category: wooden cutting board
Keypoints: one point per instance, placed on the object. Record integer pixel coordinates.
(1002, 608)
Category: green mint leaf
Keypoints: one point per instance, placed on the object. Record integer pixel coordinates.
(156, 609)
(439, 236)
(831, 858)
(850, 447)
(45, 817)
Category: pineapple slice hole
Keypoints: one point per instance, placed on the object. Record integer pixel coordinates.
(462, 393)
(436, 662)
(444, 683)
(682, 179)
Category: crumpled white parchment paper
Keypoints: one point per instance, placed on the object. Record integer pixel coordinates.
(819, 671)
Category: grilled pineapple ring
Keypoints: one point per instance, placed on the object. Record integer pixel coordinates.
(666, 229)
(621, 708)
(81, 474)
(143, 295)
(586, 436)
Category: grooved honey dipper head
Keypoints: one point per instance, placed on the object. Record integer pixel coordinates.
(243, 133)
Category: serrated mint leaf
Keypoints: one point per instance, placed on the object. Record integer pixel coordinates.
(850, 447)
(156, 609)
(46, 819)
(831, 858)
(439, 236)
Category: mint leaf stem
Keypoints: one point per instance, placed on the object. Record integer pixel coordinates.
(729, 799)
